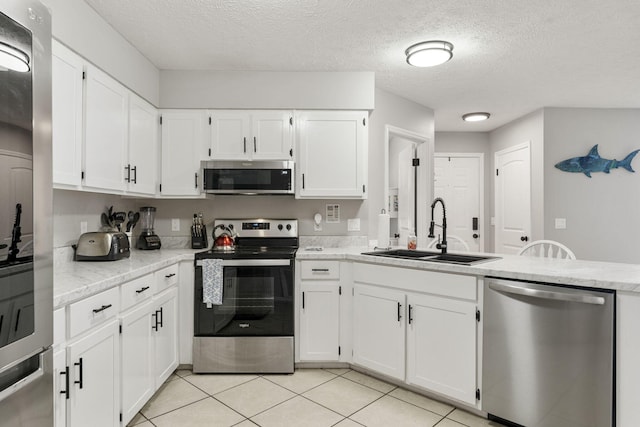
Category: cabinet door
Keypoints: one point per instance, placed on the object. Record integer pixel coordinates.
(95, 371)
(320, 321)
(66, 87)
(272, 135)
(142, 167)
(378, 329)
(230, 135)
(441, 346)
(165, 325)
(183, 139)
(137, 368)
(106, 116)
(60, 387)
(332, 155)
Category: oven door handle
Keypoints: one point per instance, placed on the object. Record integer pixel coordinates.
(253, 262)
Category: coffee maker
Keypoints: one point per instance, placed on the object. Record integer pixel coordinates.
(148, 238)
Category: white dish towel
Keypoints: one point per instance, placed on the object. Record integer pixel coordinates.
(211, 281)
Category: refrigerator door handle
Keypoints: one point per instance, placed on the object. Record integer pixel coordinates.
(585, 298)
(25, 380)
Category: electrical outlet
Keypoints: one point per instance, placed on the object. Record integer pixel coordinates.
(175, 224)
(561, 223)
(83, 227)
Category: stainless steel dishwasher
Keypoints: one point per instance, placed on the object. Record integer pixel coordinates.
(548, 355)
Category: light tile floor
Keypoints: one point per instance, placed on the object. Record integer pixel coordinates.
(308, 398)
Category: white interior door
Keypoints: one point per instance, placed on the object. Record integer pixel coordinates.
(458, 180)
(512, 198)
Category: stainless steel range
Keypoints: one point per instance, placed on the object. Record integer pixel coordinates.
(250, 328)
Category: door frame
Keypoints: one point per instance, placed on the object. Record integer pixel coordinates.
(481, 173)
(424, 176)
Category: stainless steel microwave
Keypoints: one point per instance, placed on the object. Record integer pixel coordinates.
(247, 177)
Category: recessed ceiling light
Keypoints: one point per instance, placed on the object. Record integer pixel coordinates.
(475, 117)
(428, 54)
(13, 59)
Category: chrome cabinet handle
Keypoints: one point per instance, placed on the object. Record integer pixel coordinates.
(552, 295)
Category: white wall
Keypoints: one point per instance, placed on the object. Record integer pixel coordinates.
(399, 112)
(78, 26)
(268, 90)
(473, 142)
(527, 128)
(602, 212)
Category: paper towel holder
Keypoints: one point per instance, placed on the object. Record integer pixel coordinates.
(382, 212)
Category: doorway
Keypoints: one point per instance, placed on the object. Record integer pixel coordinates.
(459, 181)
(512, 198)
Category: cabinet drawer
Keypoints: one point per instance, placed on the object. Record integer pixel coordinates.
(92, 311)
(166, 278)
(137, 290)
(320, 270)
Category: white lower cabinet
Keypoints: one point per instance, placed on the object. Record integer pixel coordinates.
(320, 321)
(419, 327)
(123, 345)
(441, 346)
(94, 385)
(320, 311)
(165, 327)
(379, 329)
(137, 354)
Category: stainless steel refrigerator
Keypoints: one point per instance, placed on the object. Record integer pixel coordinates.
(26, 268)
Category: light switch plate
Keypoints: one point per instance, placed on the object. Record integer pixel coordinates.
(353, 224)
(175, 224)
(561, 223)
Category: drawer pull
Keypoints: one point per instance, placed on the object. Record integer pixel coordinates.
(320, 270)
(141, 290)
(103, 308)
(170, 275)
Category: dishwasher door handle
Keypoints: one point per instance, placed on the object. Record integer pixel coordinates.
(553, 295)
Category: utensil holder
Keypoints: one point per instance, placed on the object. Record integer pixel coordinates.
(199, 237)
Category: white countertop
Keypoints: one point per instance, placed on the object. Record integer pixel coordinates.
(74, 281)
(592, 274)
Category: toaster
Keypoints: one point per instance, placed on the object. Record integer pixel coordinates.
(102, 246)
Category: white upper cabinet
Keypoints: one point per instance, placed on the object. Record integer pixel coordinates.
(331, 155)
(184, 136)
(67, 87)
(251, 135)
(141, 171)
(106, 131)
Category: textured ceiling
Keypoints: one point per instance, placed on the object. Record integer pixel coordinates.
(510, 57)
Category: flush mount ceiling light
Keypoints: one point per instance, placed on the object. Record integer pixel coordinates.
(13, 59)
(428, 54)
(475, 117)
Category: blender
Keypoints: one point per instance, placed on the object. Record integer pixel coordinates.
(148, 238)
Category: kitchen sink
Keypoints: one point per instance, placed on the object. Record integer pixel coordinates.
(431, 256)
(403, 253)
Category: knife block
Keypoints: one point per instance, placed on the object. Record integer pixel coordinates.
(199, 240)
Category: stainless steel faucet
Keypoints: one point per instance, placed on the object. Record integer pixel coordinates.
(442, 245)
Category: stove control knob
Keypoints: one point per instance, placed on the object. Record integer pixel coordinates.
(288, 227)
(280, 227)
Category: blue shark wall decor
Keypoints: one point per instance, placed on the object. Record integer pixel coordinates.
(592, 162)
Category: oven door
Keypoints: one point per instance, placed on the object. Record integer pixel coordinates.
(257, 300)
